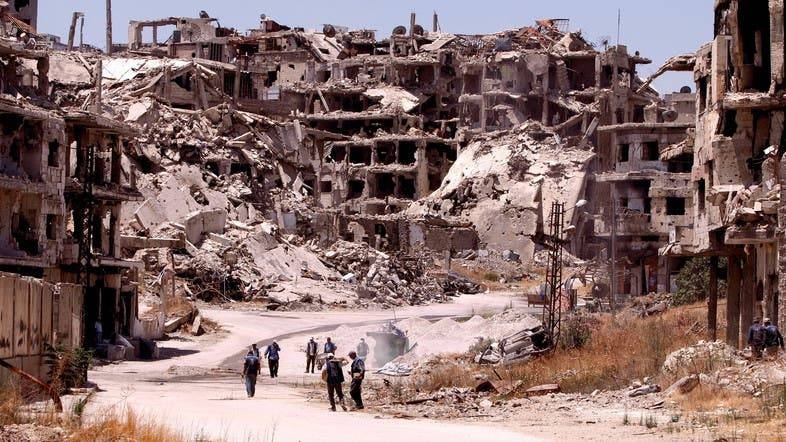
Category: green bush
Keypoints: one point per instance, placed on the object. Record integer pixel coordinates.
(693, 281)
(67, 366)
(576, 331)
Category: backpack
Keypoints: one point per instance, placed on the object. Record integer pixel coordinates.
(252, 362)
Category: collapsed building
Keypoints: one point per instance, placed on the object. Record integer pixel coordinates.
(736, 176)
(372, 132)
(63, 186)
(236, 160)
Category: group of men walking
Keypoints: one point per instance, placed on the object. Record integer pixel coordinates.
(332, 373)
(764, 339)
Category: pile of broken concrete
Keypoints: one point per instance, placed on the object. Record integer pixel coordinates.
(386, 279)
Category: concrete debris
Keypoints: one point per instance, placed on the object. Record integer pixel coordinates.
(541, 390)
(702, 356)
(644, 390)
(683, 386)
(395, 369)
(397, 279)
(32, 433)
(516, 347)
(456, 284)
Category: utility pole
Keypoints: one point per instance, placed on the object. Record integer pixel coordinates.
(552, 305)
(108, 27)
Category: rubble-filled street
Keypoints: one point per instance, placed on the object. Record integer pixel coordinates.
(317, 220)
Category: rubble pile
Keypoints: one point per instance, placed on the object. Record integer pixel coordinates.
(703, 357)
(719, 365)
(448, 336)
(501, 181)
(387, 279)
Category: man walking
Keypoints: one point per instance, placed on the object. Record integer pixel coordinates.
(311, 354)
(357, 371)
(756, 338)
(362, 349)
(330, 347)
(255, 350)
(251, 368)
(272, 358)
(334, 377)
(773, 339)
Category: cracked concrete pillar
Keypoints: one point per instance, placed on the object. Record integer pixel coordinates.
(747, 293)
(712, 301)
(780, 302)
(733, 301)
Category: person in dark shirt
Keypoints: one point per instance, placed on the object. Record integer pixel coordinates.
(272, 358)
(311, 355)
(756, 338)
(357, 372)
(773, 340)
(334, 377)
(251, 368)
(330, 347)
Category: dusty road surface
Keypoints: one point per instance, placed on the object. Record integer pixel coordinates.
(189, 393)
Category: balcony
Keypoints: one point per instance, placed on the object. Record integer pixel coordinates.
(629, 223)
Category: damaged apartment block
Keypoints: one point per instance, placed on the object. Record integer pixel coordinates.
(61, 190)
(736, 178)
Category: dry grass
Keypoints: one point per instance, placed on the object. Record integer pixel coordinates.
(10, 403)
(732, 416)
(621, 349)
(110, 427)
(126, 427)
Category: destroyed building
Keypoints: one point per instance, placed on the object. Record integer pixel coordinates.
(370, 126)
(736, 175)
(62, 189)
(258, 154)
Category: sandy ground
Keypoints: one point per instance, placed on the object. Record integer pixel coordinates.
(188, 393)
(198, 391)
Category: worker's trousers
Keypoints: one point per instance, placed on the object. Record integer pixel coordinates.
(355, 389)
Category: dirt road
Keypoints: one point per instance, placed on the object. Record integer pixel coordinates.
(187, 393)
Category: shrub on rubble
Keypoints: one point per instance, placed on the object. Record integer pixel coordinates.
(694, 279)
(576, 331)
(67, 366)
